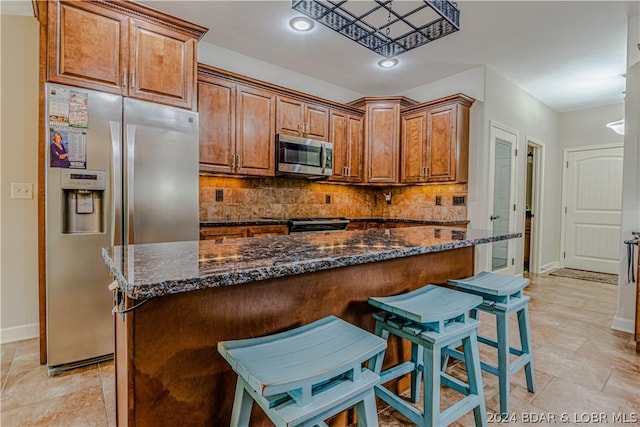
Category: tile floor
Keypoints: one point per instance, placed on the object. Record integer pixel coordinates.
(586, 373)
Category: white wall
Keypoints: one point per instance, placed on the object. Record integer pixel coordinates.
(509, 105)
(229, 60)
(18, 163)
(588, 127)
(625, 314)
(470, 83)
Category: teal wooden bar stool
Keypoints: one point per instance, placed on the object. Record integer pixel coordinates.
(303, 376)
(502, 296)
(431, 318)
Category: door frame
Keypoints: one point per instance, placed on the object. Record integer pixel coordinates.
(513, 188)
(535, 255)
(563, 223)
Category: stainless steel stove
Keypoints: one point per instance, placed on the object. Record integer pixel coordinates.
(300, 225)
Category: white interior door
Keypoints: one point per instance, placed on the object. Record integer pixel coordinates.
(593, 197)
(503, 145)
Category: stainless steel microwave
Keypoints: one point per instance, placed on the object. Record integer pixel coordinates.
(303, 157)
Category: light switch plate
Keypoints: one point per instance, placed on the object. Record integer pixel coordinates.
(21, 190)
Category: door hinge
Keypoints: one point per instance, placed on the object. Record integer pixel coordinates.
(513, 261)
(564, 254)
(514, 207)
(567, 164)
(565, 209)
(516, 153)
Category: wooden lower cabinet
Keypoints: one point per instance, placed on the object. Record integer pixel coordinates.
(238, 231)
(169, 372)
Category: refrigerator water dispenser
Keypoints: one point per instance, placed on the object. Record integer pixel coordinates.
(83, 204)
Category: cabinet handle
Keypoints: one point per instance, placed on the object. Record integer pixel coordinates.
(124, 78)
(426, 171)
(133, 78)
(348, 171)
(238, 160)
(233, 161)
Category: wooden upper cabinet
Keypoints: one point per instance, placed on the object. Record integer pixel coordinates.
(414, 143)
(162, 65)
(382, 136)
(299, 118)
(441, 144)
(435, 141)
(346, 134)
(87, 45)
(123, 48)
(255, 126)
(217, 114)
(237, 125)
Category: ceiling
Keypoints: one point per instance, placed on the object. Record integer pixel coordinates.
(569, 54)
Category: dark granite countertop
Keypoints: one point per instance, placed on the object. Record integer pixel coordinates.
(270, 221)
(151, 270)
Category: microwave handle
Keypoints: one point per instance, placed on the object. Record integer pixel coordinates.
(323, 154)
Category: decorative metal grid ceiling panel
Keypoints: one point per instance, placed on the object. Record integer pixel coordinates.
(387, 27)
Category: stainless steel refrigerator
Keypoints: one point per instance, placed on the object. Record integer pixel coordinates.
(118, 171)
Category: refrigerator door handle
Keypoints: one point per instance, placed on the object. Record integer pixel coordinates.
(116, 185)
(131, 140)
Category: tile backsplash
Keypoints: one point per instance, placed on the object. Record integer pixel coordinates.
(249, 198)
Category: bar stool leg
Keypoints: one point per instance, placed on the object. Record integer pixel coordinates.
(242, 404)
(416, 374)
(474, 375)
(503, 361)
(375, 363)
(431, 385)
(367, 412)
(525, 342)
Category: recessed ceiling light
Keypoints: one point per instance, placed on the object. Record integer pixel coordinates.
(388, 62)
(301, 23)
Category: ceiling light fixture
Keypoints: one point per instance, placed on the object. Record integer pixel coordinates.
(617, 127)
(386, 27)
(388, 62)
(301, 23)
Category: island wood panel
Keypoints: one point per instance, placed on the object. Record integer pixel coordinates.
(168, 347)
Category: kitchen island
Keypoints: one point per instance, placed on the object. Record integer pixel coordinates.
(182, 298)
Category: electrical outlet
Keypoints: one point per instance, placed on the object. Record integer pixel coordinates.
(219, 195)
(327, 199)
(438, 200)
(21, 190)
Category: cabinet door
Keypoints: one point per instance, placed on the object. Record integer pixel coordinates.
(441, 143)
(217, 110)
(316, 123)
(355, 148)
(161, 65)
(338, 136)
(87, 46)
(267, 230)
(216, 233)
(382, 142)
(290, 116)
(414, 142)
(255, 126)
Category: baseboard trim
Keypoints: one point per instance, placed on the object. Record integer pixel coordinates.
(623, 325)
(550, 266)
(19, 333)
